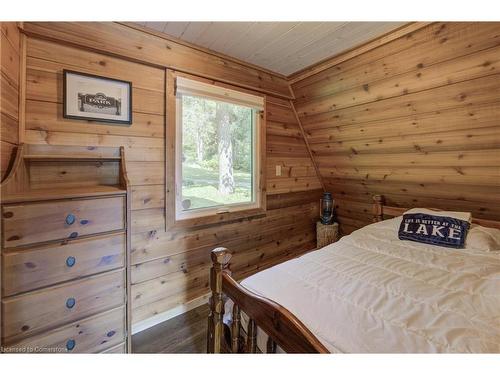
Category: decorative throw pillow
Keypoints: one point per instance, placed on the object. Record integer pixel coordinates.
(434, 229)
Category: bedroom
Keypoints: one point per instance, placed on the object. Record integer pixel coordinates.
(130, 150)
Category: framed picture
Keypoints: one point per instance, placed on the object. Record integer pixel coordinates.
(90, 97)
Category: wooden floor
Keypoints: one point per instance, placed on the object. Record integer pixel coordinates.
(186, 333)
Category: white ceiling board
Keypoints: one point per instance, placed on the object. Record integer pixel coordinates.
(297, 35)
(289, 49)
(262, 34)
(343, 38)
(283, 47)
(194, 30)
(175, 28)
(158, 26)
(230, 35)
(249, 40)
(219, 34)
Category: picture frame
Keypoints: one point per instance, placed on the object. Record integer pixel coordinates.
(96, 98)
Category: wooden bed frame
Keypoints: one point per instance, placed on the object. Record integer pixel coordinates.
(380, 209)
(281, 326)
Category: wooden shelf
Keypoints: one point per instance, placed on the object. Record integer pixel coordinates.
(63, 193)
(76, 158)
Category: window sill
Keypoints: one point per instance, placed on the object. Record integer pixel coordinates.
(213, 220)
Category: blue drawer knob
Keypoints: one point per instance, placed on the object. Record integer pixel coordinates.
(70, 219)
(73, 235)
(70, 344)
(111, 333)
(70, 303)
(70, 261)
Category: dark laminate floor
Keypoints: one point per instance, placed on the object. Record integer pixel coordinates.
(186, 333)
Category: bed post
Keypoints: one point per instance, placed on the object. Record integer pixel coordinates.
(235, 329)
(220, 261)
(378, 212)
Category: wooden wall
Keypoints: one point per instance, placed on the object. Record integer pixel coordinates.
(127, 42)
(9, 93)
(170, 268)
(416, 119)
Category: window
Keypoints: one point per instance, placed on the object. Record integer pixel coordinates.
(217, 150)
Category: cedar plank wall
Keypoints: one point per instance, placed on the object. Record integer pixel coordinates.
(171, 268)
(417, 119)
(9, 93)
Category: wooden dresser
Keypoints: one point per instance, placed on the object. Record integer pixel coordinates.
(65, 240)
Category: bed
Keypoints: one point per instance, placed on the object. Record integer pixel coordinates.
(367, 293)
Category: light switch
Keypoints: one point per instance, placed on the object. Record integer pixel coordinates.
(278, 170)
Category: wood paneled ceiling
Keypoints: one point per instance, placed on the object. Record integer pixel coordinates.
(282, 47)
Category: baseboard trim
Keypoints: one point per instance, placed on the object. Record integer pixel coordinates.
(169, 314)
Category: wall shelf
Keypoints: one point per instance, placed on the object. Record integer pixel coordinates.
(76, 158)
(66, 193)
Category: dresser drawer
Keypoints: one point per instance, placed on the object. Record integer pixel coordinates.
(118, 349)
(29, 223)
(50, 264)
(49, 308)
(91, 335)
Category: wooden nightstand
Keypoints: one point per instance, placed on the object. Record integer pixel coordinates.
(326, 234)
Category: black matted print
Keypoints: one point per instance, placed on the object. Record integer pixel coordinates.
(90, 97)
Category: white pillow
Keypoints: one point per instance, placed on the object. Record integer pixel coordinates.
(465, 216)
(483, 238)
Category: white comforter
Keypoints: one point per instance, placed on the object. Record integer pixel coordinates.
(371, 292)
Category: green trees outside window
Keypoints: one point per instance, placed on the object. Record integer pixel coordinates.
(217, 153)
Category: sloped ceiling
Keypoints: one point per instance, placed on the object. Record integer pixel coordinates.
(282, 47)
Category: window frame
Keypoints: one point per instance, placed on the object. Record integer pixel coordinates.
(173, 165)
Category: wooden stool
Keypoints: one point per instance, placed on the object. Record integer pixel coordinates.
(326, 234)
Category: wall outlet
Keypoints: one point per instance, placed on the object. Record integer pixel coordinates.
(278, 170)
